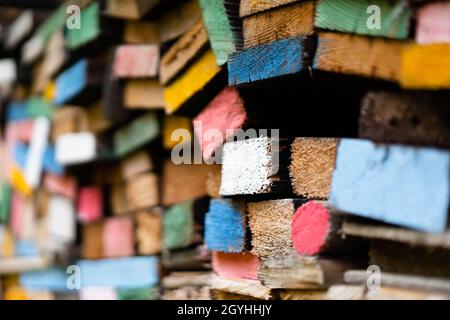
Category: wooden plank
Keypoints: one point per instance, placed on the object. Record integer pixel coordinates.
(69, 119)
(118, 199)
(178, 20)
(223, 26)
(90, 204)
(355, 16)
(97, 122)
(235, 265)
(183, 52)
(252, 288)
(426, 67)
(191, 82)
(135, 164)
(279, 58)
(136, 134)
(149, 232)
(433, 24)
(417, 118)
(224, 114)
(270, 225)
(213, 181)
(292, 20)
(248, 167)
(385, 232)
(183, 182)
(90, 20)
(294, 294)
(249, 7)
(142, 191)
(225, 226)
(136, 61)
(143, 94)
(346, 292)
(369, 57)
(312, 165)
(173, 124)
(377, 182)
(141, 32)
(399, 280)
(118, 237)
(63, 185)
(92, 241)
(141, 271)
(129, 9)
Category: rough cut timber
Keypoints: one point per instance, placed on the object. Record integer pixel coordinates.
(142, 191)
(354, 16)
(296, 19)
(79, 83)
(433, 23)
(347, 292)
(225, 225)
(190, 259)
(254, 166)
(69, 119)
(136, 61)
(149, 232)
(269, 223)
(386, 232)
(249, 7)
(299, 294)
(252, 288)
(279, 58)
(183, 52)
(235, 265)
(90, 204)
(297, 272)
(136, 134)
(141, 32)
(129, 9)
(183, 224)
(92, 241)
(394, 184)
(224, 114)
(312, 165)
(183, 182)
(359, 277)
(143, 94)
(223, 26)
(140, 272)
(418, 118)
(404, 258)
(369, 57)
(118, 199)
(193, 81)
(393, 293)
(118, 237)
(96, 120)
(426, 67)
(173, 124)
(63, 185)
(135, 164)
(213, 181)
(187, 285)
(317, 231)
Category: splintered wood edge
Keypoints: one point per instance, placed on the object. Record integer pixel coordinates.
(252, 288)
(249, 7)
(397, 234)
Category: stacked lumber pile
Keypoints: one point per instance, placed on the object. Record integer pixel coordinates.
(239, 149)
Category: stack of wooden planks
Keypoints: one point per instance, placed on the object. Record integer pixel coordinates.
(226, 149)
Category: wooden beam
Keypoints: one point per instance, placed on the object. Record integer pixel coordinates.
(135, 164)
(129, 9)
(235, 265)
(118, 237)
(178, 20)
(142, 191)
(143, 94)
(252, 288)
(249, 7)
(292, 20)
(90, 204)
(136, 61)
(92, 240)
(149, 232)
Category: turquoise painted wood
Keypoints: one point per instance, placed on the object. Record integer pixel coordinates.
(224, 226)
(121, 273)
(71, 82)
(401, 185)
(266, 61)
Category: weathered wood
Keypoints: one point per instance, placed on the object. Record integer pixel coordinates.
(192, 259)
(213, 181)
(292, 20)
(118, 199)
(183, 52)
(425, 67)
(149, 232)
(187, 278)
(173, 124)
(92, 241)
(346, 292)
(118, 237)
(141, 32)
(183, 182)
(377, 182)
(136, 134)
(279, 58)
(235, 265)
(249, 7)
(252, 288)
(96, 120)
(136, 61)
(129, 9)
(223, 26)
(416, 118)
(250, 167)
(143, 94)
(191, 82)
(433, 25)
(135, 164)
(311, 294)
(69, 119)
(64, 185)
(369, 57)
(385, 232)
(225, 225)
(312, 165)
(355, 16)
(142, 191)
